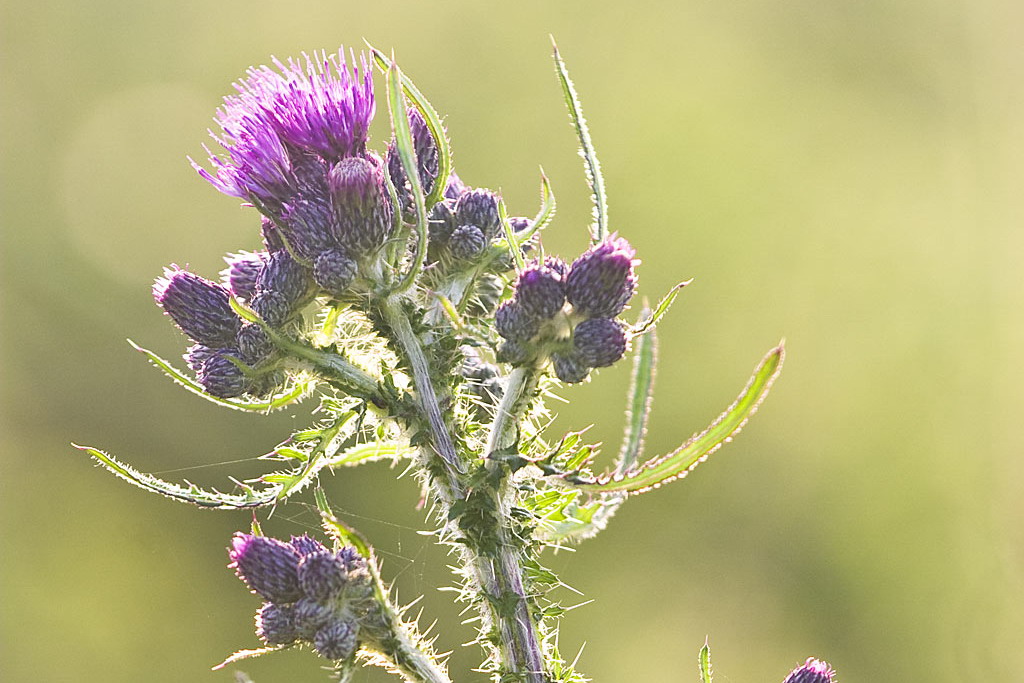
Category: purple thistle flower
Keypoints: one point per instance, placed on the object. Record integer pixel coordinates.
(222, 378)
(286, 277)
(275, 625)
(336, 640)
(242, 271)
(273, 308)
(253, 344)
(540, 292)
(310, 616)
(268, 566)
(198, 307)
(307, 545)
(513, 322)
(558, 265)
(812, 671)
(479, 207)
(569, 368)
(455, 187)
(599, 342)
(197, 354)
(601, 281)
(467, 242)
(334, 271)
(322, 576)
(362, 207)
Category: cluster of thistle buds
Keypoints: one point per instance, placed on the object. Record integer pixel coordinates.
(312, 595)
(296, 138)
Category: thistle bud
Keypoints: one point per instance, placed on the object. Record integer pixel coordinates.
(519, 223)
(467, 242)
(273, 308)
(334, 271)
(253, 344)
(274, 624)
(198, 307)
(812, 671)
(271, 235)
(513, 352)
(197, 354)
(285, 276)
(310, 616)
(599, 342)
(442, 223)
(321, 576)
(307, 545)
(513, 322)
(569, 368)
(242, 272)
(308, 225)
(601, 281)
(268, 566)
(361, 204)
(540, 292)
(479, 207)
(486, 295)
(455, 187)
(222, 378)
(336, 640)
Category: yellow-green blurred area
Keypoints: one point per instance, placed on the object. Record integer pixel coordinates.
(847, 175)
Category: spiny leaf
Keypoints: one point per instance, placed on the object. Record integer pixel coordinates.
(249, 498)
(343, 533)
(510, 237)
(297, 392)
(593, 168)
(444, 154)
(679, 463)
(246, 654)
(651, 319)
(705, 663)
(645, 358)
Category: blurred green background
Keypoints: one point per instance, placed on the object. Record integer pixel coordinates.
(844, 174)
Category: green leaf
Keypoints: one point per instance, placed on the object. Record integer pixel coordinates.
(249, 498)
(593, 168)
(299, 391)
(649, 320)
(407, 153)
(444, 154)
(645, 358)
(705, 663)
(339, 530)
(510, 237)
(677, 464)
(248, 654)
(371, 452)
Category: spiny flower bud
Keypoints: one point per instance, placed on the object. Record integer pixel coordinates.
(308, 225)
(253, 344)
(599, 342)
(334, 271)
(467, 242)
(455, 187)
(307, 545)
(274, 624)
(569, 368)
(442, 223)
(268, 566)
(198, 307)
(242, 272)
(519, 223)
(321, 576)
(558, 265)
(361, 204)
(197, 354)
(222, 378)
(513, 352)
(310, 616)
(273, 308)
(513, 322)
(336, 640)
(486, 295)
(601, 281)
(284, 275)
(271, 235)
(812, 671)
(479, 207)
(540, 292)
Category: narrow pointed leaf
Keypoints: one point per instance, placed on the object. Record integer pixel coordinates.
(645, 359)
(250, 498)
(651, 319)
(444, 153)
(246, 654)
(510, 237)
(593, 168)
(679, 463)
(296, 393)
(705, 663)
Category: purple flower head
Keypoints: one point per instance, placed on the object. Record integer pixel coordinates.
(601, 281)
(479, 207)
(540, 291)
(271, 235)
(455, 187)
(569, 368)
(268, 566)
(467, 242)
(273, 308)
(812, 671)
(599, 342)
(442, 222)
(286, 277)
(334, 271)
(307, 225)
(222, 378)
(322, 576)
(307, 545)
(363, 210)
(242, 271)
(336, 640)
(275, 624)
(197, 354)
(253, 344)
(198, 307)
(513, 322)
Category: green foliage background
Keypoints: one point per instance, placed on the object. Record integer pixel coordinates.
(844, 174)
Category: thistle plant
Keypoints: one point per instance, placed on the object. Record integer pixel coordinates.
(426, 325)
